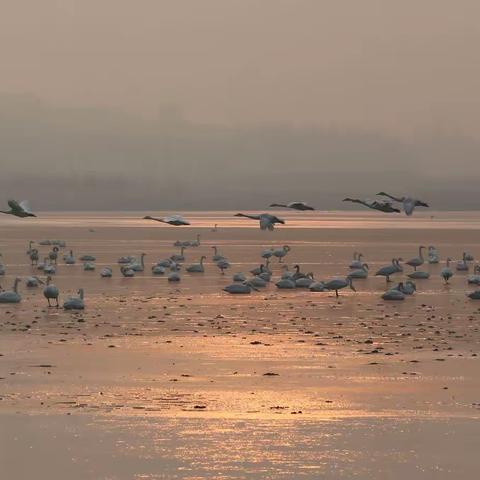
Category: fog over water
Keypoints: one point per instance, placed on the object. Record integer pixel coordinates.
(226, 104)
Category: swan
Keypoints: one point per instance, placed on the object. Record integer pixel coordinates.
(286, 273)
(393, 295)
(462, 265)
(179, 257)
(2, 266)
(261, 268)
(126, 259)
(239, 277)
(69, 259)
(417, 261)
(380, 205)
(106, 272)
(359, 273)
(265, 275)
(474, 295)
(33, 281)
(197, 267)
(408, 203)
(138, 266)
(51, 292)
(419, 275)
(223, 265)
(53, 255)
(48, 268)
(258, 281)
(286, 283)
(433, 255)
(305, 282)
(318, 287)
(59, 243)
(267, 221)
(173, 277)
(281, 252)
(469, 257)
(158, 270)
(19, 209)
(267, 253)
(196, 242)
(447, 273)
(127, 271)
(176, 220)
(357, 261)
(30, 243)
(239, 288)
(164, 263)
(11, 296)
(294, 206)
(87, 258)
(88, 266)
(475, 278)
(388, 270)
(214, 229)
(298, 274)
(216, 256)
(408, 288)
(75, 303)
(174, 267)
(34, 256)
(339, 283)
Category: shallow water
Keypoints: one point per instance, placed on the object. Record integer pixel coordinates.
(156, 380)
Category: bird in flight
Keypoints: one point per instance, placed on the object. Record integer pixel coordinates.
(267, 221)
(294, 206)
(176, 220)
(409, 203)
(19, 209)
(380, 205)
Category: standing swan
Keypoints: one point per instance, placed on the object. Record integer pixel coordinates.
(281, 252)
(339, 283)
(447, 273)
(51, 292)
(417, 261)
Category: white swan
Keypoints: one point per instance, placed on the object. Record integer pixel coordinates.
(433, 256)
(69, 258)
(417, 261)
(173, 277)
(258, 281)
(19, 209)
(462, 265)
(33, 282)
(75, 303)
(239, 277)
(176, 220)
(286, 283)
(11, 296)
(318, 287)
(89, 266)
(179, 257)
(475, 278)
(359, 273)
(2, 266)
(305, 282)
(127, 259)
(474, 295)
(447, 273)
(339, 283)
(281, 252)
(267, 221)
(389, 270)
(419, 275)
(240, 288)
(87, 258)
(293, 205)
(216, 256)
(127, 271)
(158, 270)
(51, 292)
(106, 272)
(380, 205)
(138, 266)
(357, 261)
(223, 265)
(53, 254)
(408, 203)
(197, 267)
(393, 294)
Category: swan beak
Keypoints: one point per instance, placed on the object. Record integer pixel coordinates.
(423, 204)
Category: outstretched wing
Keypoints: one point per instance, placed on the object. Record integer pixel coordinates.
(266, 223)
(25, 206)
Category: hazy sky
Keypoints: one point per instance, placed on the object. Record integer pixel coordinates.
(182, 102)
